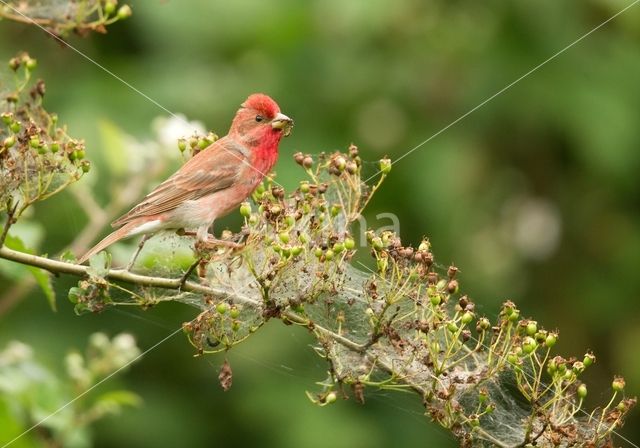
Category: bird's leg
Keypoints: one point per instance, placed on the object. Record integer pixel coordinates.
(137, 252)
(208, 241)
(212, 242)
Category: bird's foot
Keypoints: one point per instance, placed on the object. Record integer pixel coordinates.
(212, 243)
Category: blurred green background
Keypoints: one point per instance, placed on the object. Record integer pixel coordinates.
(534, 196)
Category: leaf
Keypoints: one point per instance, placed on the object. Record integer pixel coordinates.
(68, 256)
(42, 277)
(99, 265)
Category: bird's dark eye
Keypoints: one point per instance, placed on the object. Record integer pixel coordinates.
(259, 118)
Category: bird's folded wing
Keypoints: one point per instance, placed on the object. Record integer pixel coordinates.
(211, 170)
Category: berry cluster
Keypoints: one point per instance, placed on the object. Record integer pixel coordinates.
(37, 156)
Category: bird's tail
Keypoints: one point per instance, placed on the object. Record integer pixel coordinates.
(117, 235)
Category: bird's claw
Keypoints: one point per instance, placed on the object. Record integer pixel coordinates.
(213, 243)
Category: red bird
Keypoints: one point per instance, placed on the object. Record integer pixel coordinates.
(214, 181)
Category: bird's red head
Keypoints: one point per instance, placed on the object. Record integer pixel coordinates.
(259, 121)
(259, 125)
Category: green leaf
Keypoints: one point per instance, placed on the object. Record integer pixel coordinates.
(68, 256)
(99, 265)
(42, 277)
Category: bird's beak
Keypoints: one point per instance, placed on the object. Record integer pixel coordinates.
(282, 122)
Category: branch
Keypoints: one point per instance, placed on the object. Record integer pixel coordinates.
(61, 267)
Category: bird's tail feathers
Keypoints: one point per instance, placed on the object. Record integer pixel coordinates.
(117, 235)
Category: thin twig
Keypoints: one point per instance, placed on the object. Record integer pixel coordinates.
(11, 211)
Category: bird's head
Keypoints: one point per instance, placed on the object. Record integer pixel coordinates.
(259, 119)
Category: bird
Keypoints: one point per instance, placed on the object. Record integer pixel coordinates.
(213, 182)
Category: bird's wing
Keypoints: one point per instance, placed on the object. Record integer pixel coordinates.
(215, 168)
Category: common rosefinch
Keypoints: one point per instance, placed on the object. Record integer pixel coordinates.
(214, 181)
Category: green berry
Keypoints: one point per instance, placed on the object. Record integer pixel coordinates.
(55, 147)
(182, 145)
(483, 324)
(124, 12)
(7, 118)
(328, 255)
(529, 345)
(618, 384)
(222, 307)
(234, 312)
(304, 186)
(589, 359)
(110, 7)
(452, 327)
(467, 318)
(385, 166)
(532, 328)
(338, 247)
(15, 127)
(34, 142)
(290, 220)
(245, 209)
(85, 166)
(14, 63)
(31, 64)
(435, 299)
(284, 237)
(349, 243)
(551, 340)
(9, 141)
(296, 250)
(331, 397)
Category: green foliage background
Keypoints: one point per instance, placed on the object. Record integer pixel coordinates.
(385, 74)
